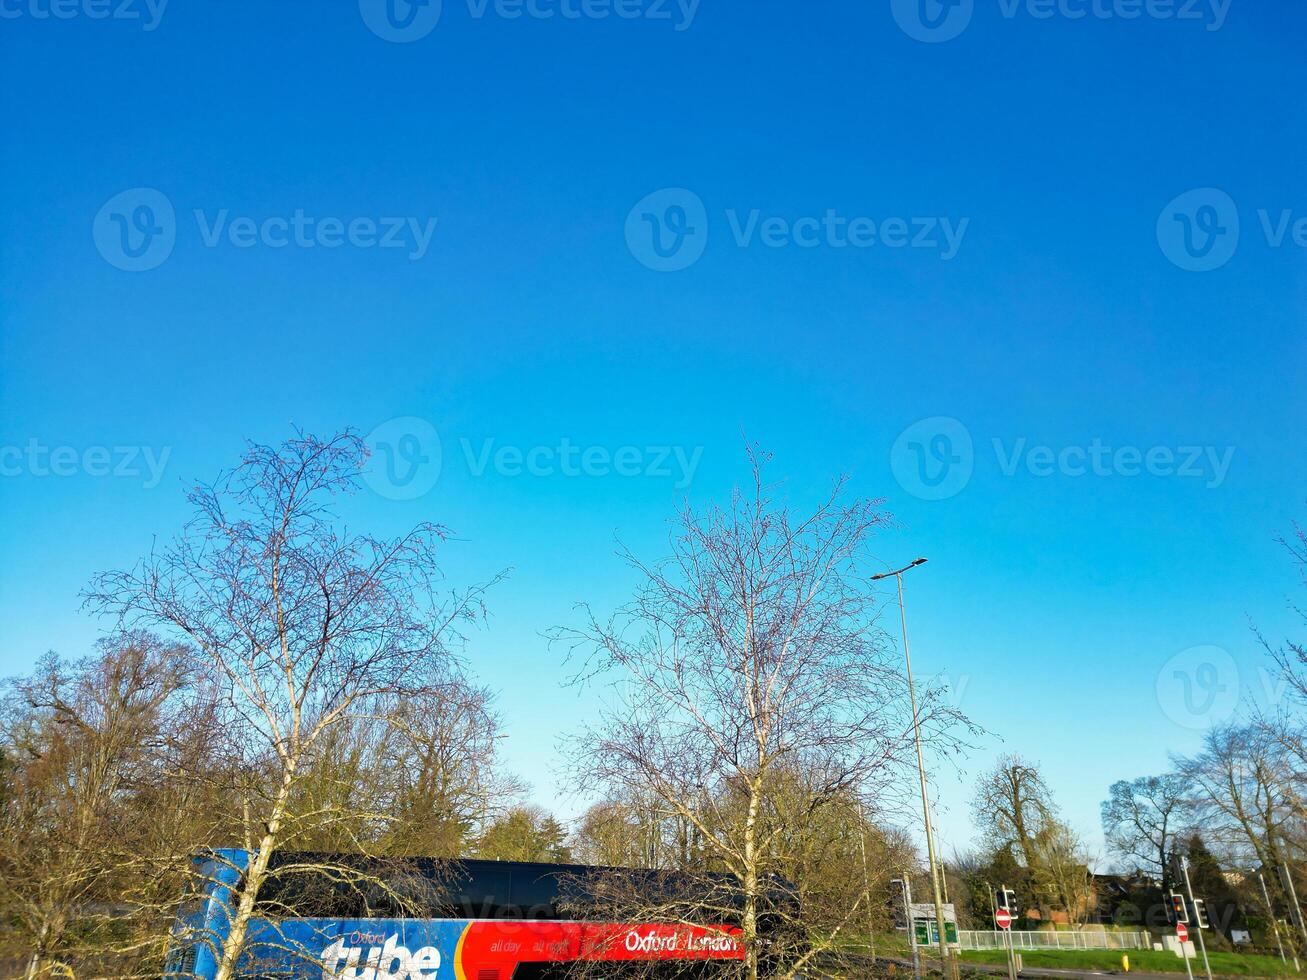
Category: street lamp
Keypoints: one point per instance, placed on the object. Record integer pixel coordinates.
(921, 769)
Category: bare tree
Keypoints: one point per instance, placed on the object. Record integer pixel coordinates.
(1286, 721)
(448, 781)
(1291, 657)
(1014, 809)
(631, 833)
(1144, 817)
(1013, 805)
(303, 628)
(749, 654)
(428, 767)
(638, 831)
(838, 858)
(87, 743)
(1240, 802)
(1063, 871)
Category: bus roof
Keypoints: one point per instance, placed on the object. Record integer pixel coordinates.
(315, 884)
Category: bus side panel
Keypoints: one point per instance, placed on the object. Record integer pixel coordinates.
(492, 949)
(459, 949)
(411, 949)
(202, 925)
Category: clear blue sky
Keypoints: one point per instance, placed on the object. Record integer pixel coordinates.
(1069, 312)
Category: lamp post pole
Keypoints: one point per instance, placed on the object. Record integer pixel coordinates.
(921, 769)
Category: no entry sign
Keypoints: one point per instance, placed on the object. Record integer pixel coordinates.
(1003, 919)
(1182, 932)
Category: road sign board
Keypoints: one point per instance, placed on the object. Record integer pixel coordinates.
(1003, 919)
(927, 932)
(1182, 932)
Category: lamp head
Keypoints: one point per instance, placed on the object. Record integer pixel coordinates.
(900, 571)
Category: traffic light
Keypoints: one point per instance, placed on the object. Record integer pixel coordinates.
(1179, 911)
(1200, 914)
(902, 888)
(1006, 898)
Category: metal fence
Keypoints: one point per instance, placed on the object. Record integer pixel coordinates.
(1050, 939)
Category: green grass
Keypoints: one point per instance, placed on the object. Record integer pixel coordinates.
(1141, 960)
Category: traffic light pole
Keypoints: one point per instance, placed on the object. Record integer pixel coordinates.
(1007, 934)
(1293, 896)
(1184, 866)
(912, 926)
(1180, 919)
(1275, 924)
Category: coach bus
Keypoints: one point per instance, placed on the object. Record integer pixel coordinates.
(333, 917)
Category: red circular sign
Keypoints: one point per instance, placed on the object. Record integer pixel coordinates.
(1181, 932)
(1003, 919)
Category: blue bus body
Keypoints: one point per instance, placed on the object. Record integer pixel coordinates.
(497, 944)
(203, 919)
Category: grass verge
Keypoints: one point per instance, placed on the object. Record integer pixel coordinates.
(1141, 961)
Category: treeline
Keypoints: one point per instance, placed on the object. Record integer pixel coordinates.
(1025, 845)
(274, 680)
(1236, 809)
(118, 766)
(115, 768)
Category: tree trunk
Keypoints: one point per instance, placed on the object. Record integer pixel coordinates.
(750, 923)
(38, 954)
(253, 880)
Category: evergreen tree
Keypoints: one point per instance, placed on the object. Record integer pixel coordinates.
(525, 833)
(1218, 894)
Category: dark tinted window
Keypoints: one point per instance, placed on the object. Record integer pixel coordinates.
(353, 886)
